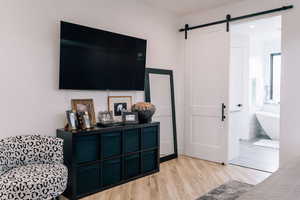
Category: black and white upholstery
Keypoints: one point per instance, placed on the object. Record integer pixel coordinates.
(31, 168)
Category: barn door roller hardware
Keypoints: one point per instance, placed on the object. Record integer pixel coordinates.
(230, 19)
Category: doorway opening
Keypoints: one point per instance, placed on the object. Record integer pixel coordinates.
(254, 108)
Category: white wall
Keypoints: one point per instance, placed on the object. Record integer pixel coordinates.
(29, 57)
(290, 107)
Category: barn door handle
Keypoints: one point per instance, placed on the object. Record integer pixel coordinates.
(223, 112)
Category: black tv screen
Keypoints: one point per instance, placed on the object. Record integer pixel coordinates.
(93, 59)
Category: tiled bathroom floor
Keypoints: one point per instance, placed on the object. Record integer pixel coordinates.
(257, 157)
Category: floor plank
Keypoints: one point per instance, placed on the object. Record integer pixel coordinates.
(184, 178)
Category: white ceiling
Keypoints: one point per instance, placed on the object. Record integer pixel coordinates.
(183, 7)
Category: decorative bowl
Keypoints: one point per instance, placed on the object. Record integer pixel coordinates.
(145, 111)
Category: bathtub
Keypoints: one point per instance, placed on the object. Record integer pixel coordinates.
(270, 123)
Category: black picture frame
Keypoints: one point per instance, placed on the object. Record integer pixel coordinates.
(169, 73)
(84, 120)
(125, 114)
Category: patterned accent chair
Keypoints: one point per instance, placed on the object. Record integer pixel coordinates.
(31, 168)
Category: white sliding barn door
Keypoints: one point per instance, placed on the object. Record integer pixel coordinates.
(207, 59)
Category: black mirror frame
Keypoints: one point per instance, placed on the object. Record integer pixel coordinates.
(149, 71)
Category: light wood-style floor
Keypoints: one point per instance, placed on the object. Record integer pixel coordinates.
(184, 178)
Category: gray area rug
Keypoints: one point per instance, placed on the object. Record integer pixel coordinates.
(228, 191)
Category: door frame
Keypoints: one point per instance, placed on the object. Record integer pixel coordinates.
(149, 71)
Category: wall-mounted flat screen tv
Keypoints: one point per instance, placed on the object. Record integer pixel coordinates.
(93, 59)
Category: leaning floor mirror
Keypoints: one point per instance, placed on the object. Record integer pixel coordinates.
(159, 90)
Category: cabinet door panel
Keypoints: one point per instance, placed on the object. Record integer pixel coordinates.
(111, 172)
(111, 144)
(86, 149)
(88, 178)
(131, 140)
(149, 137)
(149, 160)
(132, 165)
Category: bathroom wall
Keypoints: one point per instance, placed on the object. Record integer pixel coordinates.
(238, 92)
(261, 38)
(261, 47)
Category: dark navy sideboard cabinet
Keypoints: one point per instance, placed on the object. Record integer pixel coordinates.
(101, 158)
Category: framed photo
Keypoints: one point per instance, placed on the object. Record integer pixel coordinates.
(130, 117)
(84, 120)
(119, 104)
(72, 119)
(85, 105)
(105, 118)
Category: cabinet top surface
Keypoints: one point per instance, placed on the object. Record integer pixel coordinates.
(111, 128)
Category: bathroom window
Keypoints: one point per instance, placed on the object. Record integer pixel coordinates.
(273, 95)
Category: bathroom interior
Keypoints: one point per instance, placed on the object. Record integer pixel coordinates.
(254, 109)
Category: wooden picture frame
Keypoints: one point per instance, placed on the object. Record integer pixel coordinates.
(118, 104)
(82, 105)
